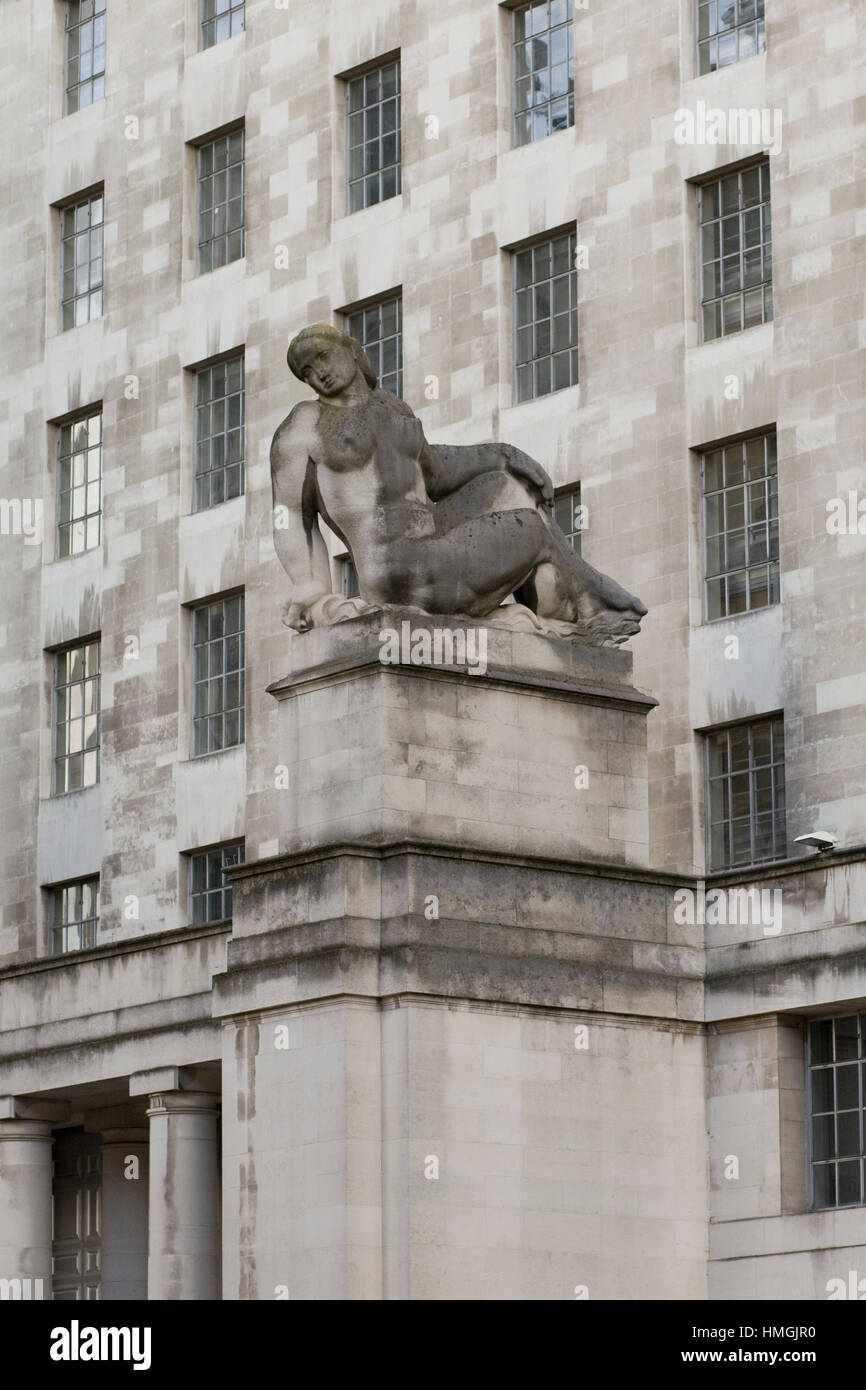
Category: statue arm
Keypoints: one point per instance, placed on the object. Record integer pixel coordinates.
(447, 467)
(298, 541)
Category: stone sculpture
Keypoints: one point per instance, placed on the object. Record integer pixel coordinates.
(435, 528)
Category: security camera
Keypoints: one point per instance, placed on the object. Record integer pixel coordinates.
(820, 840)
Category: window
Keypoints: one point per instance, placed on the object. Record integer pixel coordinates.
(379, 330)
(221, 201)
(543, 44)
(545, 315)
(736, 247)
(75, 916)
(837, 1087)
(81, 270)
(728, 32)
(220, 19)
(210, 897)
(746, 793)
(569, 516)
(741, 526)
(79, 485)
(373, 135)
(349, 586)
(76, 717)
(85, 53)
(219, 433)
(218, 675)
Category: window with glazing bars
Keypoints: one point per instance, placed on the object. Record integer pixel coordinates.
(210, 895)
(379, 330)
(75, 916)
(736, 251)
(219, 433)
(373, 136)
(728, 32)
(746, 793)
(79, 485)
(85, 53)
(221, 201)
(76, 717)
(543, 65)
(218, 675)
(568, 514)
(81, 266)
(545, 316)
(220, 19)
(837, 1092)
(741, 526)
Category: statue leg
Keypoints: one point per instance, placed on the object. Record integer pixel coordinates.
(567, 586)
(561, 585)
(495, 491)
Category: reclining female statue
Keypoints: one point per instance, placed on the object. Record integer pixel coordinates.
(434, 527)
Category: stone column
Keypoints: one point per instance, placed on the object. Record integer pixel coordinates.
(123, 1265)
(183, 1255)
(25, 1202)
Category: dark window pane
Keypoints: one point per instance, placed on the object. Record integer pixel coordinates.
(849, 1183)
(823, 1141)
(825, 1184)
(847, 1086)
(847, 1035)
(848, 1134)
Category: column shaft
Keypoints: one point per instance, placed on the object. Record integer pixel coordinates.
(25, 1206)
(183, 1217)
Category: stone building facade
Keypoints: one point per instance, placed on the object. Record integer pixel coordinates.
(684, 1160)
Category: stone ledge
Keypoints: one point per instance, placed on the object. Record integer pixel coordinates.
(386, 848)
(526, 662)
(617, 697)
(290, 965)
(70, 959)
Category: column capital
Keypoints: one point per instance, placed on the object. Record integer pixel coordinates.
(183, 1103)
(26, 1131)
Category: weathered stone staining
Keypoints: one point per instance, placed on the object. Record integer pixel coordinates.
(441, 529)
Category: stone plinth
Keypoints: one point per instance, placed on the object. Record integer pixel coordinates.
(543, 751)
(463, 1053)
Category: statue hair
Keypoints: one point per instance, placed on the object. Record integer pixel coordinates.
(328, 334)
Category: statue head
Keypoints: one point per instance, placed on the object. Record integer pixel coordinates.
(328, 359)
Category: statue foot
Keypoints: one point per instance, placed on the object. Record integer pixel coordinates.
(606, 627)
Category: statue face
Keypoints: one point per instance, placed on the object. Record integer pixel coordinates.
(328, 367)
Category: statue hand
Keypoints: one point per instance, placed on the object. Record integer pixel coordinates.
(320, 609)
(296, 615)
(526, 468)
(298, 611)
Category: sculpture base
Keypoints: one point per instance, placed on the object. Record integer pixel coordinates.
(465, 734)
(456, 1066)
(605, 629)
